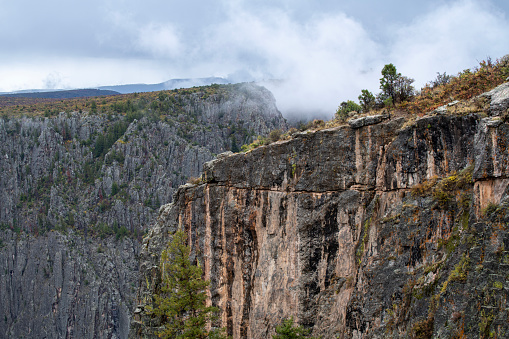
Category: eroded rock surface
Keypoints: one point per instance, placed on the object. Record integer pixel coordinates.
(66, 286)
(367, 232)
(73, 210)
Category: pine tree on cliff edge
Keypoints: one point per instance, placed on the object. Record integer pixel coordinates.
(287, 330)
(180, 302)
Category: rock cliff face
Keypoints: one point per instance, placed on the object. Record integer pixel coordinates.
(66, 286)
(78, 190)
(394, 229)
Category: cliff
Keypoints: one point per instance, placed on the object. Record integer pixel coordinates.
(381, 228)
(78, 190)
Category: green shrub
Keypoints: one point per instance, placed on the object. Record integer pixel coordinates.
(443, 189)
(490, 209)
(465, 85)
(423, 329)
(275, 135)
(287, 330)
(345, 108)
(460, 270)
(114, 189)
(367, 100)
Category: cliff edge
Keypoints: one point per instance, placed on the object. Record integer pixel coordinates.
(391, 229)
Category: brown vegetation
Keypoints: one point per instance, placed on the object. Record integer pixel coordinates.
(465, 85)
(10, 106)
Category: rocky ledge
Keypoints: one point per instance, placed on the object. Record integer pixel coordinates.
(384, 230)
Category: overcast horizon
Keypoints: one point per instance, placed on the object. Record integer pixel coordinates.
(325, 52)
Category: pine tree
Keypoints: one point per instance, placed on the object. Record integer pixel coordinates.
(367, 100)
(388, 81)
(287, 330)
(181, 300)
(395, 86)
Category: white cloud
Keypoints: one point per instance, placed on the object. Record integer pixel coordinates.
(54, 80)
(324, 55)
(159, 40)
(330, 58)
(134, 37)
(451, 38)
(322, 61)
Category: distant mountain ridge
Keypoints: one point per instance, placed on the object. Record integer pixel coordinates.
(167, 85)
(62, 94)
(115, 89)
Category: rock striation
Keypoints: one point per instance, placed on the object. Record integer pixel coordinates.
(387, 229)
(78, 190)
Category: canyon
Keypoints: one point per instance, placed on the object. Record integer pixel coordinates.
(78, 191)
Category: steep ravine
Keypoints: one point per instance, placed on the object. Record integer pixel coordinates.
(73, 209)
(393, 229)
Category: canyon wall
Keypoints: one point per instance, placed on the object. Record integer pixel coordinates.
(78, 190)
(381, 228)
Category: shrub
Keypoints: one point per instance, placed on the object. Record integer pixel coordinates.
(195, 180)
(490, 209)
(345, 108)
(287, 330)
(423, 329)
(275, 135)
(463, 86)
(460, 270)
(315, 124)
(440, 80)
(442, 190)
(114, 189)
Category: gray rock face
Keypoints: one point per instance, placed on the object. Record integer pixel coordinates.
(368, 232)
(99, 180)
(52, 164)
(66, 286)
(357, 123)
(366, 121)
(499, 97)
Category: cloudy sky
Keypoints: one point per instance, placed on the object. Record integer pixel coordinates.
(326, 51)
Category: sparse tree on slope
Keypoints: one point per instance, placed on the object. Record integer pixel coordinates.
(395, 86)
(345, 108)
(404, 88)
(287, 330)
(181, 300)
(367, 100)
(388, 81)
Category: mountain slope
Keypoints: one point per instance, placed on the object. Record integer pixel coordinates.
(79, 189)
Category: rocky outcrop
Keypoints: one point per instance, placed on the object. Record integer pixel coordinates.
(387, 230)
(58, 172)
(78, 190)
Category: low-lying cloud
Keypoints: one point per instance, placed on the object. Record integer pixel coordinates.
(451, 38)
(312, 56)
(329, 58)
(318, 61)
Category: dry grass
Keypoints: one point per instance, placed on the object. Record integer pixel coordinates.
(194, 180)
(464, 86)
